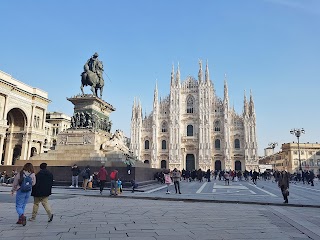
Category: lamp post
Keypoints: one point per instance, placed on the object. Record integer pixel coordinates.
(297, 132)
(273, 146)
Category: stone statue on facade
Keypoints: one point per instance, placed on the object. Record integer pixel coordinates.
(93, 75)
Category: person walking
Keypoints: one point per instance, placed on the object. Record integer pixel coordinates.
(113, 182)
(102, 176)
(283, 184)
(22, 185)
(176, 177)
(167, 179)
(75, 175)
(255, 177)
(41, 192)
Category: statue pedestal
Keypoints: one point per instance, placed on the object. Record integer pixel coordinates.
(92, 106)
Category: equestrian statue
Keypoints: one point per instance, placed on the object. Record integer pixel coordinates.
(92, 75)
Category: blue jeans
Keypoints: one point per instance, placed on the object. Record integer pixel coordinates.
(21, 201)
(113, 189)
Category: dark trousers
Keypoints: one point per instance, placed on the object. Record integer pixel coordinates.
(285, 196)
(102, 183)
(177, 186)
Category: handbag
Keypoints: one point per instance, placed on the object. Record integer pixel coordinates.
(286, 192)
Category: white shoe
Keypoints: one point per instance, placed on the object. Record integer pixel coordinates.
(167, 192)
(71, 186)
(77, 186)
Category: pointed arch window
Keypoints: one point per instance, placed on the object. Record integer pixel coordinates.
(164, 144)
(164, 127)
(190, 104)
(146, 144)
(237, 144)
(217, 144)
(217, 126)
(189, 130)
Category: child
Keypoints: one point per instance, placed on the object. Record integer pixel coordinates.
(167, 180)
(119, 188)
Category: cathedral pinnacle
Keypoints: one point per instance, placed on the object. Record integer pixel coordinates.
(178, 75)
(207, 77)
(200, 71)
(172, 75)
(226, 95)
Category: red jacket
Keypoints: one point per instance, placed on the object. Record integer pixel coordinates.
(102, 175)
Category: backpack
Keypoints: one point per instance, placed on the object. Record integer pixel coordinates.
(26, 184)
(113, 175)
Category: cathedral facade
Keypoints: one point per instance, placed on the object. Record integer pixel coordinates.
(193, 128)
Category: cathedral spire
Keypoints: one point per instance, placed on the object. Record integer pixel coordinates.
(200, 71)
(226, 94)
(207, 77)
(155, 98)
(245, 104)
(251, 105)
(172, 75)
(178, 75)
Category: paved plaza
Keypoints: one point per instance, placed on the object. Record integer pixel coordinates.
(82, 214)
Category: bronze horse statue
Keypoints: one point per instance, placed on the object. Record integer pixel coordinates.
(90, 78)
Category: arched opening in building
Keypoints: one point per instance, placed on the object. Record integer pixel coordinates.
(164, 144)
(237, 166)
(163, 164)
(33, 152)
(146, 144)
(237, 144)
(190, 162)
(16, 154)
(17, 123)
(146, 161)
(189, 130)
(217, 165)
(217, 144)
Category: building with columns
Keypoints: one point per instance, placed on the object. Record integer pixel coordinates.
(22, 119)
(193, 128)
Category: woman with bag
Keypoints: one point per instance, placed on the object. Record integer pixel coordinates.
(283, 184)
(22, 184)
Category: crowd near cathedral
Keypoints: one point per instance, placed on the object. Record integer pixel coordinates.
(193, 128)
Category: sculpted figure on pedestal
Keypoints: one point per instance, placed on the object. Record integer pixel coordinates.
(92, 75)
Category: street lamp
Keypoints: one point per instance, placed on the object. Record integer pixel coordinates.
(297, 132)
(273, 146)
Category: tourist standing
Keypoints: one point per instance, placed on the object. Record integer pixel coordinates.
(113, 182)
(41, 192)
(86, 176)
(226, 176)
(102, 176)
(22, 184)
(176, 177)
(283, 184)
(75, 175)
(208, 175)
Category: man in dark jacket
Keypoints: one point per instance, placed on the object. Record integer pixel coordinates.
(41, 192)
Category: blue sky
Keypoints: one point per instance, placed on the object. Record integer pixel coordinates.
(269, 46)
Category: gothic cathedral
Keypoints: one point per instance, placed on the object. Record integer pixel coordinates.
(193, 128)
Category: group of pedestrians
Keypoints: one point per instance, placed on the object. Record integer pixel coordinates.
(39, 185)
